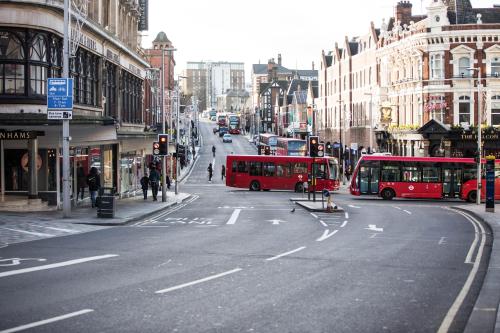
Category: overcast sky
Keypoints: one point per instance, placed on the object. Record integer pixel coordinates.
(255, 31)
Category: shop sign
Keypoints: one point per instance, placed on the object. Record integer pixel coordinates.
(484, 136)
(19, 135)
(143, 16)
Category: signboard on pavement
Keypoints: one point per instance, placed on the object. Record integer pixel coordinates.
(59, 98)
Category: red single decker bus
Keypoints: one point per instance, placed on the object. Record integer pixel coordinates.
(280, 172)
(419, 177)
(291, 147)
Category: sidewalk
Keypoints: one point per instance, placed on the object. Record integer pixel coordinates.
(484, 317)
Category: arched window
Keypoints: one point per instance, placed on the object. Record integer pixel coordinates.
(495, 110)
(39, 64)
(463, 67)
(464, 110)
(12, 58)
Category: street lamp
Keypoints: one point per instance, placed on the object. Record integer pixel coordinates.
(177, 130)
(479, 120)
(370, 116)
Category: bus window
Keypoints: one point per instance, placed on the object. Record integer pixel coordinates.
(283, 170)
(269, 169)
(411, 174)
(430, 174)
(320, 171)
(334, 170)
(255, 169)
(470, 172)
(300, 168)
(242, 167)
(390, 173)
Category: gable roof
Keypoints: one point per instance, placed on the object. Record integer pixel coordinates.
(262, 69)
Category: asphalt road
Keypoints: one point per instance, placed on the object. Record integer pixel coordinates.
(230, 260)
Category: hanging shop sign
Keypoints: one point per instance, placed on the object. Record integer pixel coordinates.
(143, 23)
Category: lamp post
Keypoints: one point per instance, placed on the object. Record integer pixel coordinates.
(177, 131)
(479, 131)
(342, 128)
(370, 120)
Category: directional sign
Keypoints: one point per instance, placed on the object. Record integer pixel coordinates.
(59, 94)
(57, 115)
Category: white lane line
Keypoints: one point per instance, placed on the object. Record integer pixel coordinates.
(285, 254)
(184, 285)
(29, 232)
(397, 208)
(47, 321)
(346, 215)
(57, 229)
(326, 234)
(314, 215)
(343, 224)
(234, 216)
(452, 312)
(352, 206)
(407, 212)
(323, 223)
(56, 265)
(442, 241)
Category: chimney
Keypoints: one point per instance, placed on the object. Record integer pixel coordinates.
(279, 59)
(313, 65)
(403, 12)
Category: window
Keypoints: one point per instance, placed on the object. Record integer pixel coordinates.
(268, 169)
(464, 110)
(390, 173)
(299, 168)
(320, 171)
(242, 167)
(431, 174)
(463, 67)
(495, 110)
(436, 64)
(411, 174)
(495, 67)
(255, 169)
(283, 170)
(11, 63)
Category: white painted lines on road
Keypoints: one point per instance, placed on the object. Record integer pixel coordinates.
(17, 261)
(407, 212)
(192, 283)
(286, 253)
(314, 215)
(326, 234)
(452, 312)
(39, 234)
(56, 229)
(56, 265)
(323, 223)
(343, 224)
(276, 222)
(397, 208)
(347, 215)
(234, 216)
(442, 241)
(373, 227)
(47, 321)
(353, 206)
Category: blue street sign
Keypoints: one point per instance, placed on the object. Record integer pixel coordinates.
(60, 94)
(336, 145)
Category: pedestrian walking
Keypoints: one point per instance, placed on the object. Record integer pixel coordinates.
(154, 181)
(81, 180)
(348, 173)
(213, 150)
(210, 170)
(145, 185)
(168, 182)
(223, 172)
(94, 183)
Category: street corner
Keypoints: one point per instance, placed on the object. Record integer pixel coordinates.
(318, 206)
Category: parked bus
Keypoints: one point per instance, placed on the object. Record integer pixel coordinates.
(267, 141)
(291, 147)
(280, 172)
(418, 177)
(234, 124)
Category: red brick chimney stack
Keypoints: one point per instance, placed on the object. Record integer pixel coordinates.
(403, 12)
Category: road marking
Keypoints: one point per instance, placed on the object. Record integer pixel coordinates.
(343, 224)
(234, 216)
(452, 312)
(323, 223)
(197, 281)
(314, 215)
(397, 208)
(276, 222)
(17, 261)
(352, 206)
(56, 265)
(326, 234)
(407, 212)
(57, 229)
(373, 227)
(29, 232)
(373, 236)
(442, 241)
(47, 321)
(285, 254)
(346, 215)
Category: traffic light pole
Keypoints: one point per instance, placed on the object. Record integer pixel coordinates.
(314, 179)
(164, 158)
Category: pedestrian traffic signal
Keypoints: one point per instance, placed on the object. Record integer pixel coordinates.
(163, 142)
(321, 150)
(313, 146)
(156, 149)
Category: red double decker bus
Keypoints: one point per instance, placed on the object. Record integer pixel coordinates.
(280, 172)
(419, 177)
(291, 147)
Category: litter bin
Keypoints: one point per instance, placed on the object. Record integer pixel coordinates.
(106, 200)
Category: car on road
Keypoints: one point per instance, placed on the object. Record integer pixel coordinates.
(222, 131)
(227, 138)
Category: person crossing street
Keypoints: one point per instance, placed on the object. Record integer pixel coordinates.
(210, 170)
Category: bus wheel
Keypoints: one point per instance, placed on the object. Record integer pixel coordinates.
(388, 194)
(254, 186)
(299, 187)
(472, 196)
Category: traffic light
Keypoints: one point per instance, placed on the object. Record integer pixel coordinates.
(328, 149)
(163, 143)
(321, 150)
(156, 148)
(313, 146)
(267, 150)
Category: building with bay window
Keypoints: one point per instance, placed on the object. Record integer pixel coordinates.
(108, 68)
